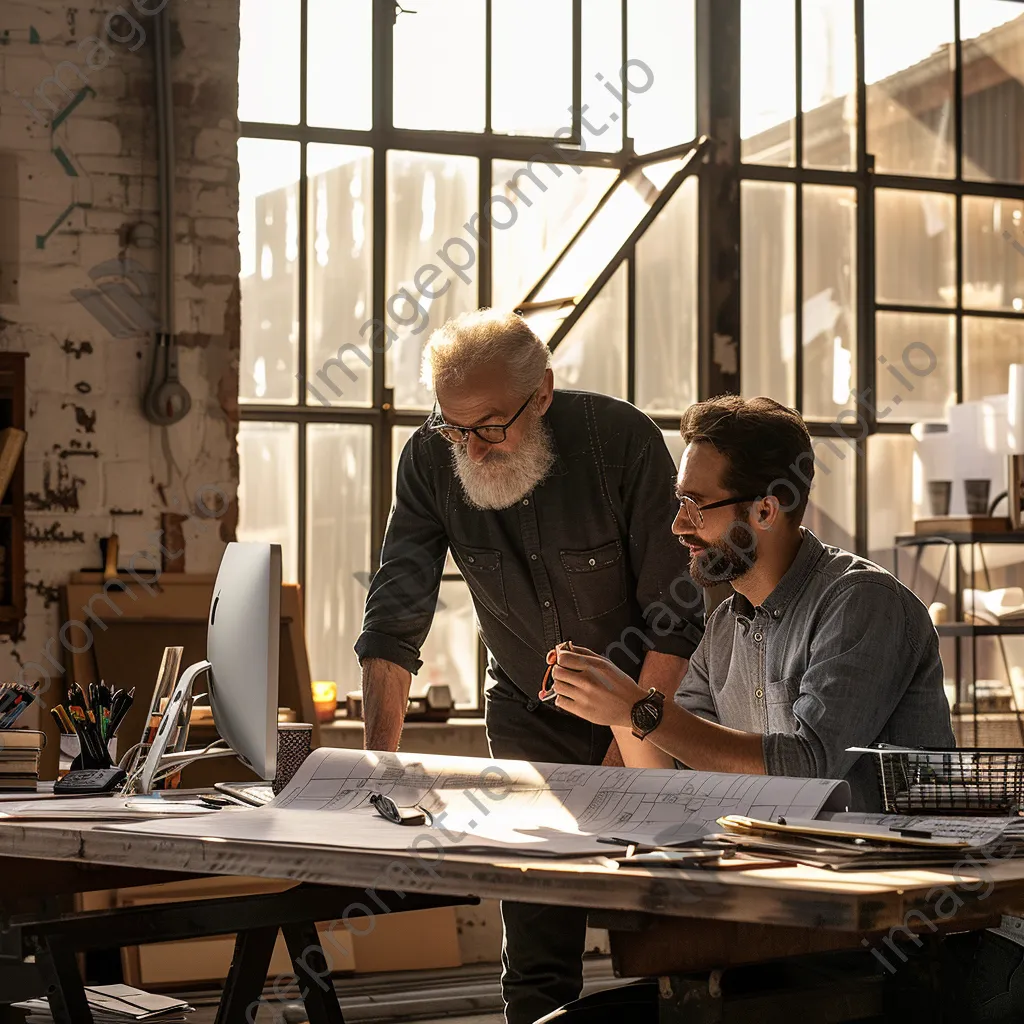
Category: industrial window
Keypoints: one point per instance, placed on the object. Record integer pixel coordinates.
(372, 136)
(882, 238)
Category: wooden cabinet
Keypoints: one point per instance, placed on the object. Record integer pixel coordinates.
(12, 501)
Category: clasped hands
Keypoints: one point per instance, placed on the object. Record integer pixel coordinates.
(590, 686)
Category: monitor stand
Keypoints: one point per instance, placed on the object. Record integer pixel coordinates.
(179, 708)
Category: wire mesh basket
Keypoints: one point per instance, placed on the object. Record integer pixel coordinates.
(970, 780)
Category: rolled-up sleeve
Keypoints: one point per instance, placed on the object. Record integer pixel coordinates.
(694, 692)
(857, 672)
(403, 592)
(672, 604)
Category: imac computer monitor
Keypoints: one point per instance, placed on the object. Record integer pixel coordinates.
(242, 651)
(242, 646)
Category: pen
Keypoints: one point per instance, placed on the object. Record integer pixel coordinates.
(60, 722)
(63, 718)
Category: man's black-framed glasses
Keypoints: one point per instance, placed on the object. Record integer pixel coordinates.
(696, 512)
(492, 433)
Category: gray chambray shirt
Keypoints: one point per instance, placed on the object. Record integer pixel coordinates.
(840, 654)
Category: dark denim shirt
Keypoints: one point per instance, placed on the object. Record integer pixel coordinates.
(588, 556)
(840, 654)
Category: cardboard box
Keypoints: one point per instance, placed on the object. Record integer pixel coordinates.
(418, 940)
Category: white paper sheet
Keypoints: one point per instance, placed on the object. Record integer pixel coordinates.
(537, 808)
(91, 808)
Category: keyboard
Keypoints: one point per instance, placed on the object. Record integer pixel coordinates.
(254, 793)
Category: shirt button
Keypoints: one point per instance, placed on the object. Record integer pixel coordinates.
(533, 558)
(759, 693)
(758, 637)
(547, 604)
(777, 612)
(526, 501)
(470, 559)
(593, 561)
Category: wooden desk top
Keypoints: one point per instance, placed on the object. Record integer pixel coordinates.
(796, 896)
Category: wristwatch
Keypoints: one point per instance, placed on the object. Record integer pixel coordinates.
(646, 713)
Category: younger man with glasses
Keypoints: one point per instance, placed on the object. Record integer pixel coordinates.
(816, 651)
(557, 509)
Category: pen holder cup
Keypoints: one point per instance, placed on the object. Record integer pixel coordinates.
(294, 743)
(71, 758)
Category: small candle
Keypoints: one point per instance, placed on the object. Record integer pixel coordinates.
(325, 699)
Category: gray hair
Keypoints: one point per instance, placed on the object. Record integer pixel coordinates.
(473, 340)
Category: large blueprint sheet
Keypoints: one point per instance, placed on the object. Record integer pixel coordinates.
(478, 803)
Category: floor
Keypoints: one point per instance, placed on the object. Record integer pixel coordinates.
(465, 995)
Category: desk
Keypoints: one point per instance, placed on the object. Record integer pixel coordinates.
(662, 922)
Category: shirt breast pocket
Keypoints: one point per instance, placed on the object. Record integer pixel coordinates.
(597, 579)
(482, 569)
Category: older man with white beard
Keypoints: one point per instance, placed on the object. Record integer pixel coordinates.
(557, 507)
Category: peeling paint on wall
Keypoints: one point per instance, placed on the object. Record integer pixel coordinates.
(85, 419)
(69, 347)
(61, 496)
(76, 448)
(49, 594)
(53, 534)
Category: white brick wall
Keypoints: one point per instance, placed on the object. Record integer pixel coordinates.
(84, 385)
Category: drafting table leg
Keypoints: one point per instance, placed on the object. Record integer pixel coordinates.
(64, 989)
(250, 964)
(310, 966)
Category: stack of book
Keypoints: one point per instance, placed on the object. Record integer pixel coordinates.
(20, 750)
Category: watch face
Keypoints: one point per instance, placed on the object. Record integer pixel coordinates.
(645, 717)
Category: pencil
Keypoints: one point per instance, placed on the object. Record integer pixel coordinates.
(64, 718)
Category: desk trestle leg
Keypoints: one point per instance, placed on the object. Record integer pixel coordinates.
(313, 973)
(243, 987)
(65, 991)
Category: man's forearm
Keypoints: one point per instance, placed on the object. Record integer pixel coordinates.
(707, 746)
(662, 671)
(385, 698)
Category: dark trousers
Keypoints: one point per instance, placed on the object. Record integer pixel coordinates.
(542, 951)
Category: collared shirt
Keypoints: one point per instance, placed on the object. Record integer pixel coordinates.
(588, 556)
(840, 654)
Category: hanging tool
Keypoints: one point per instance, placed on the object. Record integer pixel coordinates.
(166, 401)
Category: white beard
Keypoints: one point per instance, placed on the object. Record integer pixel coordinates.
(503, 478)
